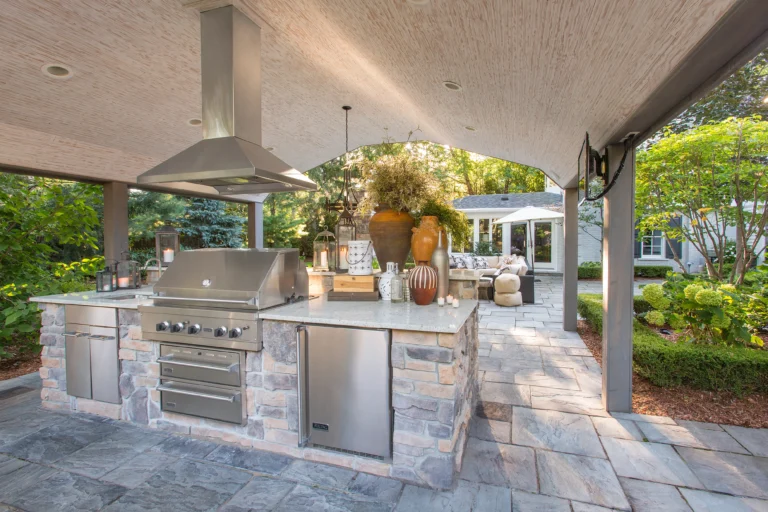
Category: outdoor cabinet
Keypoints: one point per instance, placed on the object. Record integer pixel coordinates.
(91, 345)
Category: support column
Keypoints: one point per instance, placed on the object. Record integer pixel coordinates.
(475, 235)
(570, 258)
(115, 220)
(256, 225)
(618, 283)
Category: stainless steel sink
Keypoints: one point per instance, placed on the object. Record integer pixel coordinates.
(127, 297)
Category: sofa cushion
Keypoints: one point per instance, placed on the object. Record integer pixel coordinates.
(508, 299)
(492, 261)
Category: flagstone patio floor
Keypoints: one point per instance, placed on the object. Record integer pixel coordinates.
(540, 441)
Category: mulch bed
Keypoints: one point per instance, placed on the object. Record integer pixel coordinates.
(686, 403)
(19, 364)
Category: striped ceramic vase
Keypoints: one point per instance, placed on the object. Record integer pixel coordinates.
(423, 284)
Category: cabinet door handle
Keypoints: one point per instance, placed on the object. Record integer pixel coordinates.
(231, 368)
(301, 374)
(197, 394)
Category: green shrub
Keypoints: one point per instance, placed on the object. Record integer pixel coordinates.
(666, 364)
(590, 270)
(653, 271)
(641, 305)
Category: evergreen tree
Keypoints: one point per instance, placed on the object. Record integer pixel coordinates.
(206, 223)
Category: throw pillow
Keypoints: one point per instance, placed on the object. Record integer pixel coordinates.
(459, 262)
(480, 262)
(469, 262)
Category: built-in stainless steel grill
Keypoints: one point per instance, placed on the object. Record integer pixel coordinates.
(205, 311)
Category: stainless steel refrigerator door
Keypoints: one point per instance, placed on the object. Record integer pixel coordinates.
(105, 368)
(78, 356)
(349, 389)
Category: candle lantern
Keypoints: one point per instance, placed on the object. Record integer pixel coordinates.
(166, 244)
(324, 246)
(345, 233)
(106, 280)
(128, 275)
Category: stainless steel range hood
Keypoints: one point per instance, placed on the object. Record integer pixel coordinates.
(230, 157)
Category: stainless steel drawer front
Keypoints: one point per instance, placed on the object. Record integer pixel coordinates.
(105, 368)
(78, 356)
(215, 402)
(200, 364)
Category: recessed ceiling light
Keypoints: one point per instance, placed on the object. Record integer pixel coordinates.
(418, 3)
(470, 128)
(452, 86)
(195, 122)
(269, 148)
(57, 71)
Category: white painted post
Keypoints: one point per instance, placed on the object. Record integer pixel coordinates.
(475, 235)
(570, 258)
(115, 220)
(618, 283)
(256, 225)
(506, 238)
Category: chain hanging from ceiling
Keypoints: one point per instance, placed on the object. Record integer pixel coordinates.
(347, 201)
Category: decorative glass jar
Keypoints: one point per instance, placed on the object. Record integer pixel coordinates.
(345, 233)
(397, 288)
(324, 258)
(386, 280)
(106, 280)
(166, 244)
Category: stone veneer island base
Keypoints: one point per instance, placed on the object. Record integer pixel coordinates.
(433, 360)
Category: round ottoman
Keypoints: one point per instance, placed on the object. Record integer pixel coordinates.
(508, 299)
(507, 283)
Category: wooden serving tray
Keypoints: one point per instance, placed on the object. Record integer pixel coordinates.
(334, 295)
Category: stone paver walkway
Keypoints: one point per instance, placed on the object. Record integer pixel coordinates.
(540, 441)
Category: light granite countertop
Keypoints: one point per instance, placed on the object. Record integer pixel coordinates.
(405, 316)
(123, 299)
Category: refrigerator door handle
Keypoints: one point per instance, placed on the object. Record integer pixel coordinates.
(302, 395)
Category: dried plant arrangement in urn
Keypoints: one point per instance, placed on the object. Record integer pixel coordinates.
(396, 183)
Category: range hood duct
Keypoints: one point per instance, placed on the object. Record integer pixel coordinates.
(230, 157)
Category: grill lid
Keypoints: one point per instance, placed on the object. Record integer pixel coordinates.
(232, 279)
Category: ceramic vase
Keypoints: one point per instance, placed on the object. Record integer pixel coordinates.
(441, 263)
(423, 284)
(424, 239)
(391, 235)
(385, 281)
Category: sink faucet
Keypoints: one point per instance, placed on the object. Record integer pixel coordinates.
(153, 274)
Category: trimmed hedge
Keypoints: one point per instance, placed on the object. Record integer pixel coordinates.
(656, 271)
(593, 270)
(709, 367)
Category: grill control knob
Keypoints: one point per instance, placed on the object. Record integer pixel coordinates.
(178, 327)
(162, 326)
(193, 329)
(220, 331)
(236, 332)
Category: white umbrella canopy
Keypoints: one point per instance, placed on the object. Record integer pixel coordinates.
(529, 213)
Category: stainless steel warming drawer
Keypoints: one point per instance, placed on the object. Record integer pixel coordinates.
(206, 401)
(202, 381)
(200, 364)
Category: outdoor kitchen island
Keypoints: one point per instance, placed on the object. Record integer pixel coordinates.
(433, 360)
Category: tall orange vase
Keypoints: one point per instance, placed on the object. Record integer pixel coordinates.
(424, 239)
(391, 235)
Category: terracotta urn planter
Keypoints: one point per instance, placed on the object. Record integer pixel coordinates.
(423, 284)
(424, 239)
(391, 235)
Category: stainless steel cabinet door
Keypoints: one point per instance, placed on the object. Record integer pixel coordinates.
(105, 369)
(78, 354)
(349, 389)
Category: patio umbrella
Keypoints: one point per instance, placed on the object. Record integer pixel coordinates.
(529, 214)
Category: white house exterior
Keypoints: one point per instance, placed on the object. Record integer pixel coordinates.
(482, 210)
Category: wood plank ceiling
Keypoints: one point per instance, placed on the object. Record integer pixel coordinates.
(535, 75)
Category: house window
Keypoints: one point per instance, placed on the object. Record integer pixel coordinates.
(653, 245)
(485, 231)
(468, 247)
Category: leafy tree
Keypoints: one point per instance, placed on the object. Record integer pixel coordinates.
(714, 176)
(206, 223)
(741, 95)
(39, 217)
